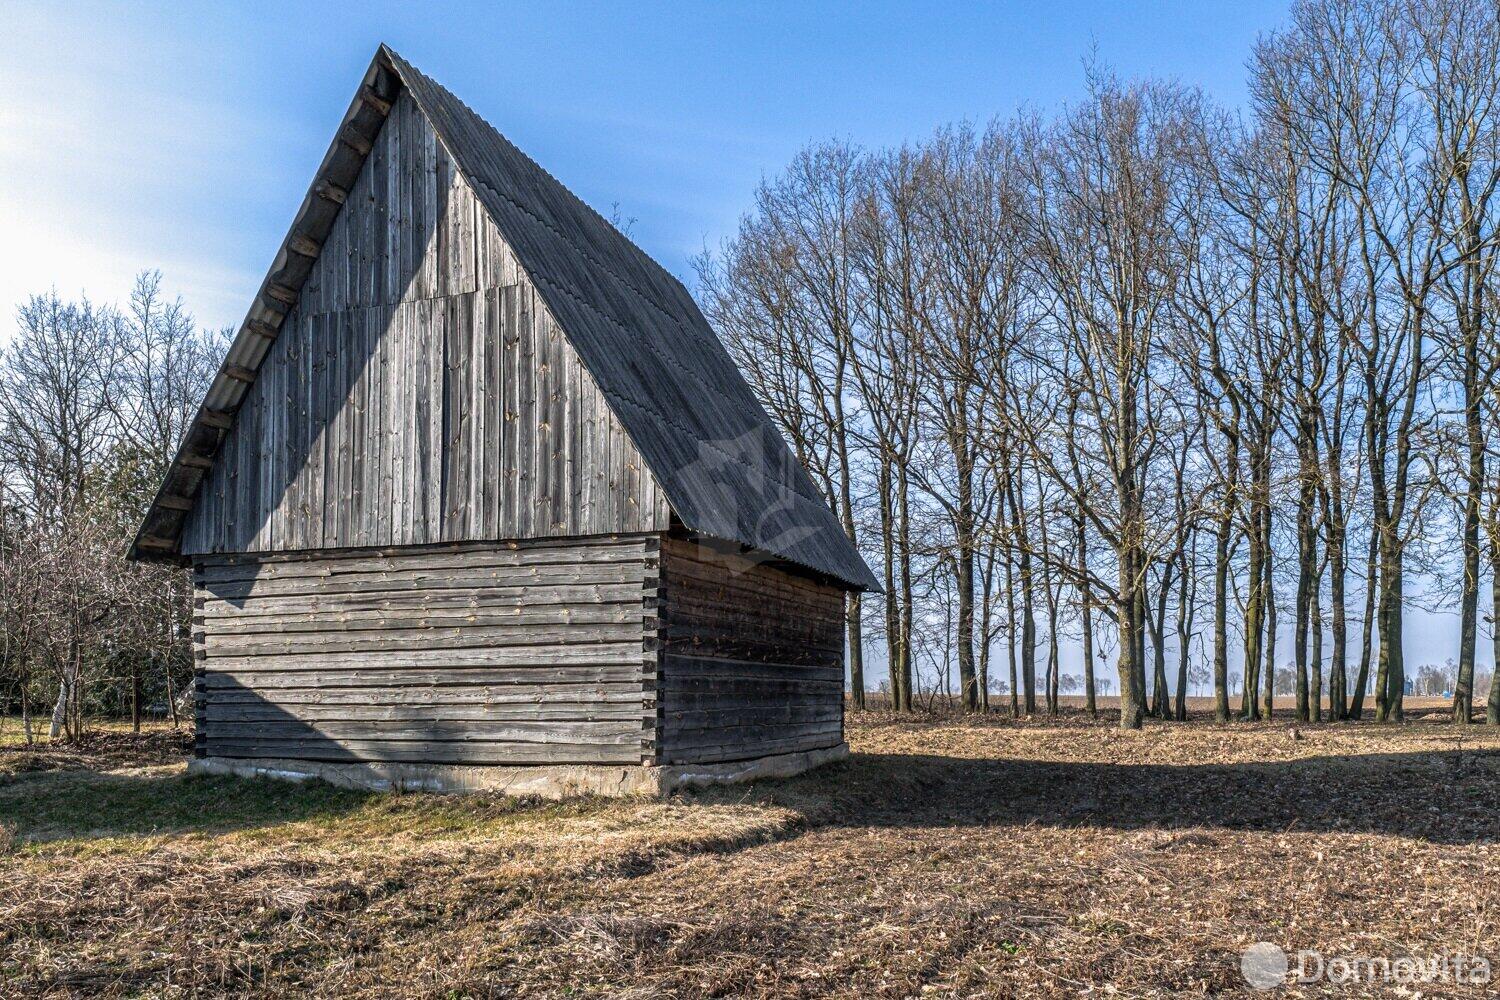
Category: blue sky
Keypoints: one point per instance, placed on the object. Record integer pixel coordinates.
(182, 136)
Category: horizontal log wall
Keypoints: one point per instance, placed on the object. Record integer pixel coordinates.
(528, 653)
(752, 658)
(419, 391)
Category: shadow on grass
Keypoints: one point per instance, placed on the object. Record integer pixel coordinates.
(47, 806)
(53, 805)
(1441, 797)
(1449, 797)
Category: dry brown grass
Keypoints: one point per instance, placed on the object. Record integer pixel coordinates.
(948, 857)
(104, 746)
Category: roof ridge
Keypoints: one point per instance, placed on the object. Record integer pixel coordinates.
(644, 257)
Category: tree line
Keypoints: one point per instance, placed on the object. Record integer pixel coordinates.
(1156, 377)
(93, 400)
(1146, 376)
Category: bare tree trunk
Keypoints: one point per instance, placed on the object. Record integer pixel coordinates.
(892, 597)
(1315, 674)
(135, 698)
(64, 701)
(1338, 682)
(1254, 624)
(968, 678)
(1372, 574)
(987, 617)
(1270, 597)
(1186, 589)
(1129, 603)
(1054, 665)
(1142, 627)
(1307, 558)
(904, 551)
(856, 649)
(1221, 619)
(1383, 604)
(1463, 689)
(1160, 697)
(171, 693)
(1010, 632)
(77, 692)
(1050, 596)
(1492, 708)
(1132, 699)
(1090, 702)
(964, 571)
(1028, 606)
(1392, 679)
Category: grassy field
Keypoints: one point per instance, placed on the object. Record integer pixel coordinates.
(947, 857)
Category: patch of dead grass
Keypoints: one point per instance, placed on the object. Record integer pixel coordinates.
(103, 747)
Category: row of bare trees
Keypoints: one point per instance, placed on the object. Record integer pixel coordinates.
(1156, 379)
(92, 403)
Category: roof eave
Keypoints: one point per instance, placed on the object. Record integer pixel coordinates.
(159, 537)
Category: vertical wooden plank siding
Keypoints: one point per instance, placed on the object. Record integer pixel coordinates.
(420, 391)
(752, 660)
(527, 653)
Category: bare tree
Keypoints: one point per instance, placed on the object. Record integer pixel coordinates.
(1141, 355)
(1104, 215)
(783, 292)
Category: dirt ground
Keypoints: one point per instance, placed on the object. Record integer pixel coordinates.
(947, 857)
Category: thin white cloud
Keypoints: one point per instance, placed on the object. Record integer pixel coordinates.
(103, 172)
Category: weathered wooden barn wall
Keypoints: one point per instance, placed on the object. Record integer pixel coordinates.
(533, 653)
(419, 391)
(752, 658)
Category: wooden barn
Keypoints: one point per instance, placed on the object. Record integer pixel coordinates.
(478, 499)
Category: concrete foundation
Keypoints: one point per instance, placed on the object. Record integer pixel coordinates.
(548, 781)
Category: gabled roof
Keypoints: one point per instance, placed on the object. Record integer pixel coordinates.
(722, 464)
